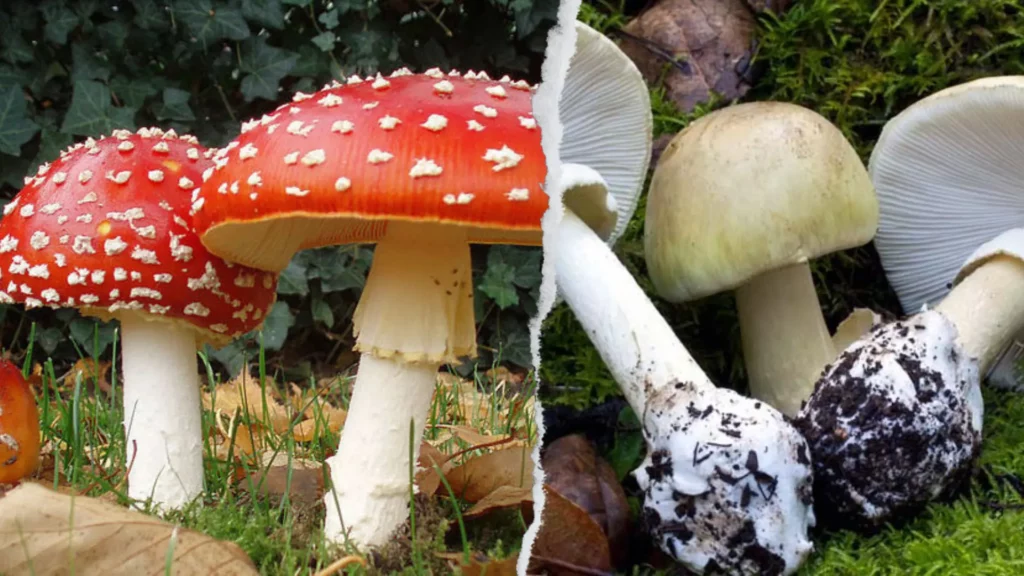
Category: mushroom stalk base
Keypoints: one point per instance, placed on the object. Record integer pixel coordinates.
(162, 413)
(632, 337)
(984, 309)
(786, 344)
(370, 472)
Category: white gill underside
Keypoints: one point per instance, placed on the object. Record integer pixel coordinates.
(417, 304)
(634, 340)
(370, 472)
(163, 412)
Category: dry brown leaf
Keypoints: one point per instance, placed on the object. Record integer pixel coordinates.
(333, 417)
(502, 497)
(469, 435)
(244, 395)
(89, 371)
(271, 479)
(480, 564)
(37, 537)
(573, 468)
(427, 479)
(705, 44)
(482, 475)
(569, 535)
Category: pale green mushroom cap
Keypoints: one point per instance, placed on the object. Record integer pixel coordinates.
(748, 189)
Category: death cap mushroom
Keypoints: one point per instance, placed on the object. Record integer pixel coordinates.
(104, 229)
(335, 166)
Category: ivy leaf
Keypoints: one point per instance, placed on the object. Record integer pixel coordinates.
(525, 261)
(497, 284)
(292, 280)
(325, 41)
(92, 335)
(132, 92)
(276, 325)
(299, 3)
(50, 144)
(122, 117)
(209, 25)
(86, 65)
(15, 48)
(49, 338)
(265, 12)
(322, 312)
(112, 34)
(149, 16)
(175, 106)
(90, 103)
(232, 356)
(329, 19)
(11, 76)
(60, 21)
(15, 128)
(264, 67)
(513, 345)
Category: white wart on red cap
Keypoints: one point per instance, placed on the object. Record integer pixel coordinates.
(106, 228)
(895, 422)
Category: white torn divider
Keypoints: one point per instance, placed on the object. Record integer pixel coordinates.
(560, 48)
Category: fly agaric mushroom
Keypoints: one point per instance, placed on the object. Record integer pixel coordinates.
(19, 425)
(742, 199)
(423, 165)
(948, 171)
(727, 480)
(104, 229)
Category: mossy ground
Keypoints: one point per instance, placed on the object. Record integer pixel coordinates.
(858, 63)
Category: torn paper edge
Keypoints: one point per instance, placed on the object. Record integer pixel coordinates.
(559, 51)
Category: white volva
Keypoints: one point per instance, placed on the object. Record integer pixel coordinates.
(162, 413)
(694, 431)
(371, 486)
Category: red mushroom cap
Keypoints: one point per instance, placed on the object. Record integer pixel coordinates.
(334, 166)
(19, 425)
(105, 228)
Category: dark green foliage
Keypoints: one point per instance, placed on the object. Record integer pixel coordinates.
(858, 63)
(76, 68)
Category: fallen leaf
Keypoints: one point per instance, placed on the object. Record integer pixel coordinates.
(704, 45)
(301, 479)
(573, 468)
(480, 564)
(37, 537)
(244, 395)
(569, 536)
(427, 479)
(334, 418)
(502, 497)
(481, 475)
(90, 371)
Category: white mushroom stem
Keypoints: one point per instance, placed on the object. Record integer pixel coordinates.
(987, 309)
(785, 341)
(632, 337)
(370, 471)
(162, 413)
(415, 314)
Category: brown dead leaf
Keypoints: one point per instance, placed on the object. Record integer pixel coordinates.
(244, 395)
(271, 480)
(427, 479)
(573, 468)
(333, 417)
(704, 44)
(480, 564)
(37, 537)
(90, 371)
(482, 475)
(502, 497)
(569, 536)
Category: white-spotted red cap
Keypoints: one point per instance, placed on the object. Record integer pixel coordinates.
(105, 228)
(332, 167)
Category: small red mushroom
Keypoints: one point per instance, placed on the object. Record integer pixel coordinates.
(106, 229)
(422, 165)
(19, 426)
